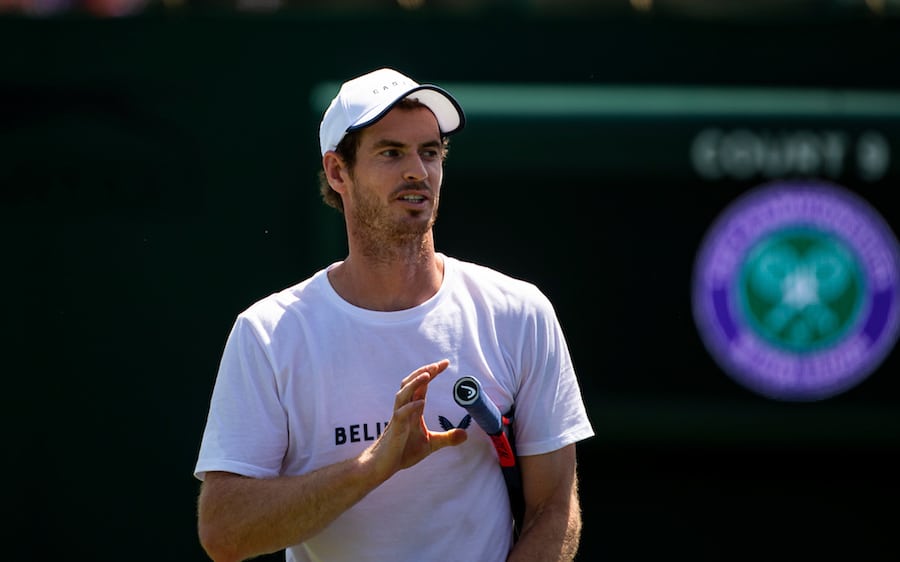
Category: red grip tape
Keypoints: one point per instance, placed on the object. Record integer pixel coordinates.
(504, 451)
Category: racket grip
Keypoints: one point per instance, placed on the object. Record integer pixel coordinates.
(505, 453)
(468, 393)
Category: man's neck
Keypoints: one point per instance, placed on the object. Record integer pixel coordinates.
(390, 280)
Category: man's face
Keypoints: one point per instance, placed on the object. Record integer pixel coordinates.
(395, 183)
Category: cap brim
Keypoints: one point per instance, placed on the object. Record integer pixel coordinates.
(446, 109)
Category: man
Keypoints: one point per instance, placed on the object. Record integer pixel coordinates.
(319, 436)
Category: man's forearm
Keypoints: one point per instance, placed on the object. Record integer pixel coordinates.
(551, 534)
(241, 517)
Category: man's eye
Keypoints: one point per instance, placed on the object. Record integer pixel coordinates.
(430, 154)
(391, 152)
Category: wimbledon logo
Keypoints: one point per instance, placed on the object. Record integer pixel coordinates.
(796, 290)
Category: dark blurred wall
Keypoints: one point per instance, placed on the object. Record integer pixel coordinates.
(157, 176)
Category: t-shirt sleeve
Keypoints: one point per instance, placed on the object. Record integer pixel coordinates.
(550, 410)
(246, 427)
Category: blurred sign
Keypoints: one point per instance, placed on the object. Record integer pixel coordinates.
(744, 153)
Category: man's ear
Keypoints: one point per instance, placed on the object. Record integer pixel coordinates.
(335, 171)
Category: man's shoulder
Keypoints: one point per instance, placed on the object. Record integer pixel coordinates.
(276, 304)
(494, 281)
(490, 273)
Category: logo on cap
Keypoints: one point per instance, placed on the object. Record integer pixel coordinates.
(387, 87)
(795, 290)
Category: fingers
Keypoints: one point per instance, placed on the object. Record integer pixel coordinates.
(415, 385)
(410, 415)
(410, 390)
(433, 370)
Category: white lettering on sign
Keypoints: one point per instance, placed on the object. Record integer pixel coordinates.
(743, 154)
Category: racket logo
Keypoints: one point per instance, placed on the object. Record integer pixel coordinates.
(466, 391)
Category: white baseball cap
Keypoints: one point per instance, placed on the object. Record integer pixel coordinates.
(367, 98)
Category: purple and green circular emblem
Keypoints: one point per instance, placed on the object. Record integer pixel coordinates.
(796, 290)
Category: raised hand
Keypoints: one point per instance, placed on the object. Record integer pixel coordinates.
(407, 440)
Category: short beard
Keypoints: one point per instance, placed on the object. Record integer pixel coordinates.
(383, 239)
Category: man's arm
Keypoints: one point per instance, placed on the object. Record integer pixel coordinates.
(552, 527)
(240, 517)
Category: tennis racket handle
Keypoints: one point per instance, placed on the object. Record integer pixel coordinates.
(468, 393)
(505, 454)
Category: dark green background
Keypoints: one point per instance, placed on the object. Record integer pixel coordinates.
(158, 175)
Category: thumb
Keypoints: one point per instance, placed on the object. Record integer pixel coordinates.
(451, 438)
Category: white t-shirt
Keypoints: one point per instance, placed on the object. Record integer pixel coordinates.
(307, 380)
